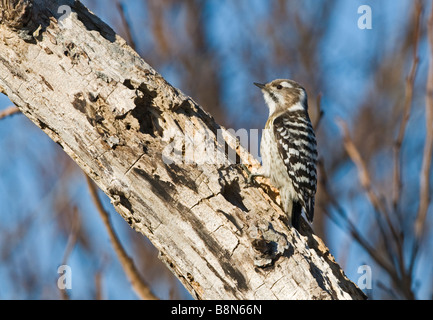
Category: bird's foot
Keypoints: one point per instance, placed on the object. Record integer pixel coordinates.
(251, 175)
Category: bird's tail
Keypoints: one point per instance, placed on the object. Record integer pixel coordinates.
(296, 214)
(309, 209)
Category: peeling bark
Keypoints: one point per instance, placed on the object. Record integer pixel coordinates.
(131, 131)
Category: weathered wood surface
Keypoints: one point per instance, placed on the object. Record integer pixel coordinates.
(133, 134)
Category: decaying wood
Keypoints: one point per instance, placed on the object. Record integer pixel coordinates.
(157, 155)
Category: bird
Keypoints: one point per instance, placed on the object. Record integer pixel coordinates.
(288, 148)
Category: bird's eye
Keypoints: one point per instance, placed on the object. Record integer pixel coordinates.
(279, 87)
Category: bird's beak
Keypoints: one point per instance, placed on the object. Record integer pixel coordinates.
(261, 86)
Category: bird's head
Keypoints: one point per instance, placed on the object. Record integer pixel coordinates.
(284, 95)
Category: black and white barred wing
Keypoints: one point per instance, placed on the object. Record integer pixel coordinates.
(296, 143)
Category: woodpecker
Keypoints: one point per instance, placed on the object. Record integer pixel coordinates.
(288, 148)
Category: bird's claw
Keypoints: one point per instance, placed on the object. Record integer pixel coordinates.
(251, 175)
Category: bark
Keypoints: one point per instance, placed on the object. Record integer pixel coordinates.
(157, 155)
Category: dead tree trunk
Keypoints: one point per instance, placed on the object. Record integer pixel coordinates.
(133, 133)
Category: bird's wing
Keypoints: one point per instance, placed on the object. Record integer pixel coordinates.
(296, 145)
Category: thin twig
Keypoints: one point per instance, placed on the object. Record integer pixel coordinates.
(405, 277)
(410, 80)
(73, 235)
(98, 285)
(365, 179)
(363, 173)
(428, 147)
(319, 112)
(126, 24)
(9, 112)
(354, 232)
(424, 197)
(139, 285)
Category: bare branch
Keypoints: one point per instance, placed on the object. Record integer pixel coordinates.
(139, 285)
(355, 233)
(365, 179)
(126, 25)
(406, 109)
(9, 112)
(403, 281)
(364, 175)
(73, 236)
(428, 146)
